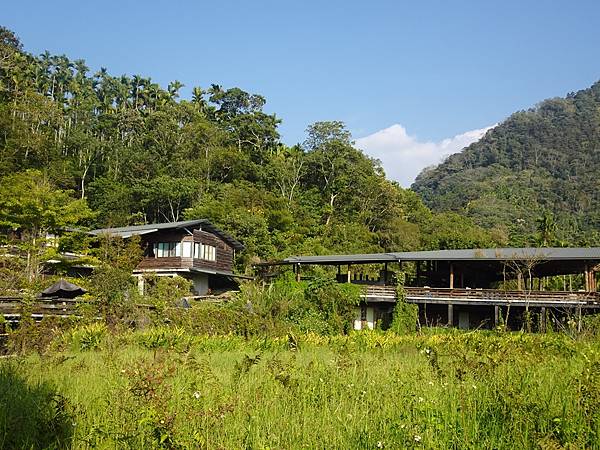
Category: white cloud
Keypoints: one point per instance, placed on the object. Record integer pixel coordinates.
(404, 156)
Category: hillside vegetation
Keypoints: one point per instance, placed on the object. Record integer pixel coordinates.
(118, 150)
(537, 171)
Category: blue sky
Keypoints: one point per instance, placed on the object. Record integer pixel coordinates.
(436, 69)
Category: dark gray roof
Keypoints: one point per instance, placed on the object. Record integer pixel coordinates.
(63, 288)
(488, 254)
(205, 224)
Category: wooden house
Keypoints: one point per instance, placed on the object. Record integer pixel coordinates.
(193, 249)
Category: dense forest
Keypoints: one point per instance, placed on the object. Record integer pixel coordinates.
(537, 171)
(81, 149)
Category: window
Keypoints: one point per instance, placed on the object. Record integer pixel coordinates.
(167, 249)
(204, 251)
(210, 253)
(186, 249)
(198, 250)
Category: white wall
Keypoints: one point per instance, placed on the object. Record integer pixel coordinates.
(370, 317)
(200, 281)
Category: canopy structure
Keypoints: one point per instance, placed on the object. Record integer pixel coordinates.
(63, 289)
(471, 267)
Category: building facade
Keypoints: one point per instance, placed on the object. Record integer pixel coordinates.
(193, 249)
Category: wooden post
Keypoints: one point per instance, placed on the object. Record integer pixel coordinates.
(586, 275)
(496, 316)
(543, 320)
(385, 274)
(451, 276)
(579, 319)
(450, 315)
(297, 272)
(349, 274)
(418, 275)
(519, 282)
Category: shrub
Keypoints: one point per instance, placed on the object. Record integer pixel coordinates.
(406, 315)
(87, 337)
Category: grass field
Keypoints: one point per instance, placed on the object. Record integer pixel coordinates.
(163, 389)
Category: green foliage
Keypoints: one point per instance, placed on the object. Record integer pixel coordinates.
(320, 306)
(165, 292)
(136, 153)
(32, 207)
(406, 315)
(534, 175)
(86, 337)
(29, 336)
(166, 389)
(32, 414)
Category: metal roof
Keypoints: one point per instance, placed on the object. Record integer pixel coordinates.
(126, 232)
(488, 254)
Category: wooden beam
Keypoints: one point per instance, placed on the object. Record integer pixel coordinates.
(297, 272)
(349, 274)
(451, 276)
(450, 315)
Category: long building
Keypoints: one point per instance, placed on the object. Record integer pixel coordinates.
(468, 288)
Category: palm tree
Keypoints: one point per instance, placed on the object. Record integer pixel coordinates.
(173, 89)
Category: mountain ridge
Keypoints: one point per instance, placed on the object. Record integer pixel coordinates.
(540, 162)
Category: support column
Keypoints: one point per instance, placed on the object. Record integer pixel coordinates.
(140, 284)
(543, 320)
(385, 274)
(496, 316)
(451, 276)
(349, 274)
(450, 315)
(586, 276)
(297, 272)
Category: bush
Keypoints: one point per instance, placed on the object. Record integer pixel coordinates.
(29, 336)
(406, 315)
(86, 337)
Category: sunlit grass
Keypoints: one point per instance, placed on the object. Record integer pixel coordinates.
(369, 390)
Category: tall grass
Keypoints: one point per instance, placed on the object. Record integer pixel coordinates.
(162, 388)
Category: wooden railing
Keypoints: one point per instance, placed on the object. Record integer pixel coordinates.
(12, 307)
(484, 296)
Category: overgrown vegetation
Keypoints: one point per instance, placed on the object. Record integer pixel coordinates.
(167, 388)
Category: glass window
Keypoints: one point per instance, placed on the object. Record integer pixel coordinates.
(167, 249)
(186, 249)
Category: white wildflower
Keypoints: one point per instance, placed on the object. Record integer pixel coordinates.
(196, 395)
(417, 438)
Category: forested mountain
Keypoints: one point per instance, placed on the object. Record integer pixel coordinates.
(133, 152)
(539, 171)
